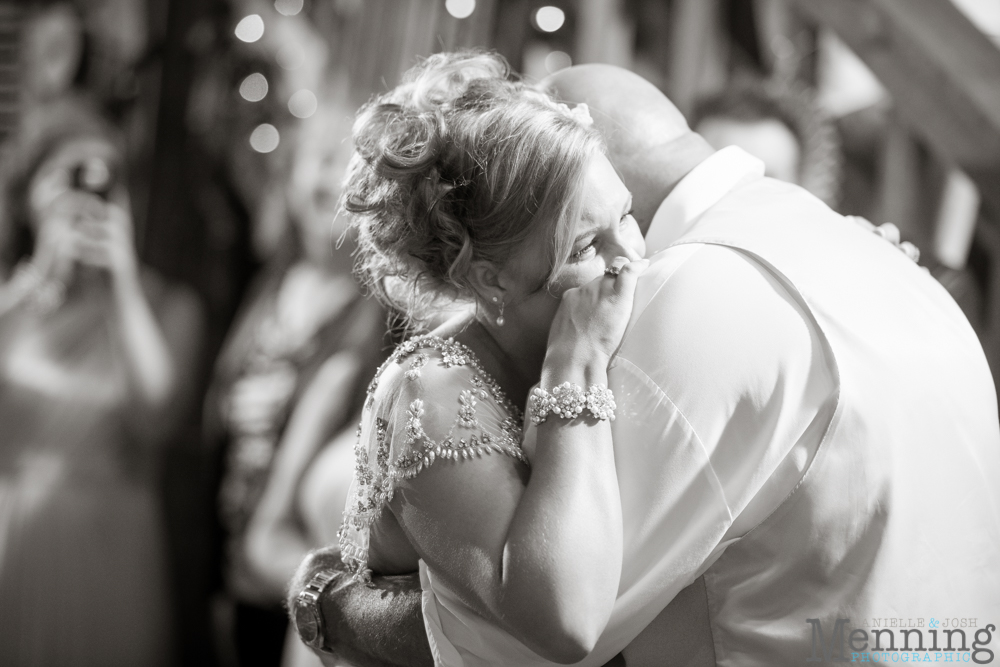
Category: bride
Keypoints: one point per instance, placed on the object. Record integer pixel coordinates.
(471, 188)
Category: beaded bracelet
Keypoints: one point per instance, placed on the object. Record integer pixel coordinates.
(568, 400)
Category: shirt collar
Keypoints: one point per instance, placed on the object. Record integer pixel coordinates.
(701, 189)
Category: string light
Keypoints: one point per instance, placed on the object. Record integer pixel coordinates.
(264, 138)
(557, 60)
(460, 9)
(250, 29)
(254, 88)
(302, 103)
(549, 18)
(288, 7)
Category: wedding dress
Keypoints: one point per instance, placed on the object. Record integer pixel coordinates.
(433, 404)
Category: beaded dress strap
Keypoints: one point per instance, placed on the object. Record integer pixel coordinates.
(383, 456)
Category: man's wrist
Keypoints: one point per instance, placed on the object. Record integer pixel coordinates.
(308, 611)
(313, 563)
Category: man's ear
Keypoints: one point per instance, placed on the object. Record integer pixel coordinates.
(484, 278)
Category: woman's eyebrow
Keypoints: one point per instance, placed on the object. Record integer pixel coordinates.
(589, 231)
(593, 228)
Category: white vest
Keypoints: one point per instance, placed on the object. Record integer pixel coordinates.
(896, 521)
(896, 516)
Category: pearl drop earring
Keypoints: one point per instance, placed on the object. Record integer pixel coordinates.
(500, 319)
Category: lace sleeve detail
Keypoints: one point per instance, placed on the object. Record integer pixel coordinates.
(430, 401)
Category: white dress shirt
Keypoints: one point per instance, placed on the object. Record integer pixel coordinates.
(754, 348)
(701, 472)
(780, 430)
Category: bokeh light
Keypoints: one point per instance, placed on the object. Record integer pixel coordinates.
(254, 88)
(557, 60)
(250, 29)
(302, 103)
(288, 7)
(264, 138)
(290, 56)
(460, 9)
(549, 18)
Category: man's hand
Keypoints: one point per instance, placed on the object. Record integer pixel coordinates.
(380, 625)
(890, 233)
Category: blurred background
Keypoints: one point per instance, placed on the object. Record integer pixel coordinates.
(165, 422)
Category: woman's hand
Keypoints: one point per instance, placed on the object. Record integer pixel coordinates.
(100, 234)
(591, 320)
(104, 238)
(55, 244)
(81, 228)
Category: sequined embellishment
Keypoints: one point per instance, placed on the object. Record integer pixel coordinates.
(418, 362)
(467, 413)
(375, 483)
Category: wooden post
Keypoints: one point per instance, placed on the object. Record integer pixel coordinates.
(694, 45)
(603, 33)
(900, 183)
(942, 71)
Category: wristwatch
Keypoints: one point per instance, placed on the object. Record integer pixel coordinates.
(309, 614)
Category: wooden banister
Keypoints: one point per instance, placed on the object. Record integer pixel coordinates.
(942, 71)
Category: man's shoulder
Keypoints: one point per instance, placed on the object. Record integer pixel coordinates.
(713, 275)
(714, 311)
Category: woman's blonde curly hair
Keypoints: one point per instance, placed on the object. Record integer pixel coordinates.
(461, 162)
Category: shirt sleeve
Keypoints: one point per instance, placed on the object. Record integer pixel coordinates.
(725, 388)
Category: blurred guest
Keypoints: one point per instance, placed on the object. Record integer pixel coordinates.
(52, 53)
(290, 377)
(96, 353)
(782, 127)
(309, 482)
(96, 48)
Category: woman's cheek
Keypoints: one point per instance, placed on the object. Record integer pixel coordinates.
(579, 275)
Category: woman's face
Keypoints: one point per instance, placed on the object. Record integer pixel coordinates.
(313, 194)
(605, 230)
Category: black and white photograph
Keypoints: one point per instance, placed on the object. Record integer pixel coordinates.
(474, 333)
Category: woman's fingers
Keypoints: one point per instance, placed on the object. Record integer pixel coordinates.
(91, 252)
(94, 230)
(628, 276)
(616, 266)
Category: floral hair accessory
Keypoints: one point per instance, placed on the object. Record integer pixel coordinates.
(580, 113)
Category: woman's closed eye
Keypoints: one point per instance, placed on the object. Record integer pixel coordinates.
(585, 252)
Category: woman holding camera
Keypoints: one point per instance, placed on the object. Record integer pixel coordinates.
(96, 352)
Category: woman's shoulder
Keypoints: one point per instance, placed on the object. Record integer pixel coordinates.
(431, 401)
(432, 395)
(425, 367)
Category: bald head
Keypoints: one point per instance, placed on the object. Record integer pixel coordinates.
(648, 138)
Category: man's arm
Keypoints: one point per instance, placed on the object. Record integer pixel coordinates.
(369, 626)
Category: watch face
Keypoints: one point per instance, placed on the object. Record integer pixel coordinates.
(307, 623)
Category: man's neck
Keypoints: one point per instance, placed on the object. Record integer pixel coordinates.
(654, 175)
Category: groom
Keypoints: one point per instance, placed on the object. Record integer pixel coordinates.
(807, 438)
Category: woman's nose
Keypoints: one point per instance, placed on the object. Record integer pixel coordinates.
(626, 249)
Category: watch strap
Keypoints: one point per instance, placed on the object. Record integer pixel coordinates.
(309, 598)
